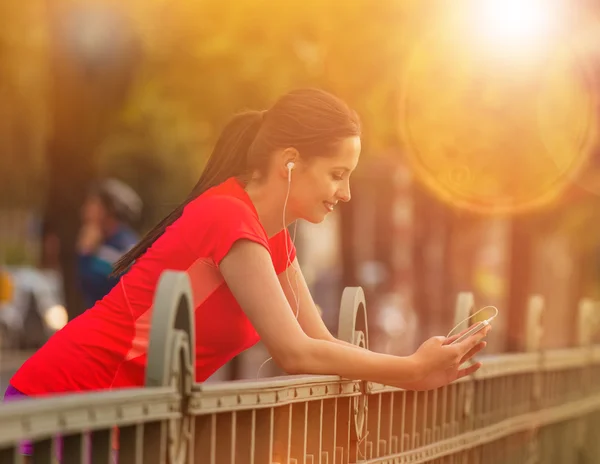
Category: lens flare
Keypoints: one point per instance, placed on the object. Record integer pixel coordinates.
(494, 135)
(515, 24)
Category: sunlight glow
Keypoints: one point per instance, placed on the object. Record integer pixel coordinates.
(515, 24)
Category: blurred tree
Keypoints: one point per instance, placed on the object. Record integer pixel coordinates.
(93, 54)
(151, 114)
(210, 59)
(22, 104)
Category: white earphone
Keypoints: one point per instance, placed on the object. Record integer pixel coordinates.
(290, 166)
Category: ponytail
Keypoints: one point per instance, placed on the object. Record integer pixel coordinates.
(228, 159)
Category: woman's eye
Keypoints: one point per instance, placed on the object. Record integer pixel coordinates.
(338, 176)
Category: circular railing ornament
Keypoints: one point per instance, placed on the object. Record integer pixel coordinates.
(353, 329)
(171, 355)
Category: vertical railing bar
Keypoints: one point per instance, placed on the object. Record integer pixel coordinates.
(233, 435)
(415, 409)
(391, 422)
(378, 424)
(213, 439)
(305, 431)
(335, 420)
(453, 409)
(289, 438)
(253, 437)
(481, 404)
(350, 401)
(425, 400)
(403, 426)
(271, 429)
(444, 407)
(551, 388)
(502, 413)
(434, 415)
(322, 402)
(517, 389)
(460, 407)
(489, 403)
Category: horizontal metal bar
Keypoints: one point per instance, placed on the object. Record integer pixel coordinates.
(571, 358)
(481, 436)
(271, 382)
(39, 418)
(247, 395)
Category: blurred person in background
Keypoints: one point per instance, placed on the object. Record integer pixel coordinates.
(108, 215)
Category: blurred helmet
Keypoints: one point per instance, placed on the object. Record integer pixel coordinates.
(120, 199)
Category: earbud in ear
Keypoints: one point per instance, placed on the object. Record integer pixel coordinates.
(290, 166)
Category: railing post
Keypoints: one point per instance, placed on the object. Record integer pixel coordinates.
(534, 330)
(353, 328)
(171, 357)
(465, 302)
(533, 325)
(587, 322)
(464, 305)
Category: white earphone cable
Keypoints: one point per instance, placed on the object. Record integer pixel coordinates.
(295, 292)
(473, 315)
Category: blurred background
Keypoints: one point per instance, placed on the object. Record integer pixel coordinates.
(480, 168)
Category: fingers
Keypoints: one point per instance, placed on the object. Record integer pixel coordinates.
(468, 371)
(456, 336)
(468, 328)
(476, 349)
(472, 341)
(439, 340)
(449, 340)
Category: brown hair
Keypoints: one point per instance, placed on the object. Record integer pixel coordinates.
(310, 120)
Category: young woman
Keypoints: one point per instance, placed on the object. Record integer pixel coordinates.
(267, 170)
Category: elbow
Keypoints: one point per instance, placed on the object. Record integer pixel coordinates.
(291, 366)
(295, 360)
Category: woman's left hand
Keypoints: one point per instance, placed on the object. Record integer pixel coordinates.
(444, 377)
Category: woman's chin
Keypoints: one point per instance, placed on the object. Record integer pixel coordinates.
(315, 218)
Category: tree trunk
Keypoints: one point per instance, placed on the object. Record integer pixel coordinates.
(88, 84)
(520, 282)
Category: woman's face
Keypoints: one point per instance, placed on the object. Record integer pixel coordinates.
(323, 181)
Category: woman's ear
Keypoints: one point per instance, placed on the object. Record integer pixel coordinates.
(287, 161)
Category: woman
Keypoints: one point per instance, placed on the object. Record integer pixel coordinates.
(268, 169)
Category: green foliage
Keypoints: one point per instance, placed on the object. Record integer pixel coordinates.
(23, 118)
(204, 61)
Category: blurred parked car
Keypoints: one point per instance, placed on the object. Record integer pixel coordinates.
(31, 306)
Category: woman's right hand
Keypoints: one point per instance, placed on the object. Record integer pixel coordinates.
(440, 361)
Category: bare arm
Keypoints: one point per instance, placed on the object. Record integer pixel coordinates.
(295, 289)
(248, 271)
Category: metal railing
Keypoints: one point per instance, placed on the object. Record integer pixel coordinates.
(538, 406)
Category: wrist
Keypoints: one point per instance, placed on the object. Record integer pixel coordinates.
(418, 366)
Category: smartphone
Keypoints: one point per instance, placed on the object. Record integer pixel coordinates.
(476, 328)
